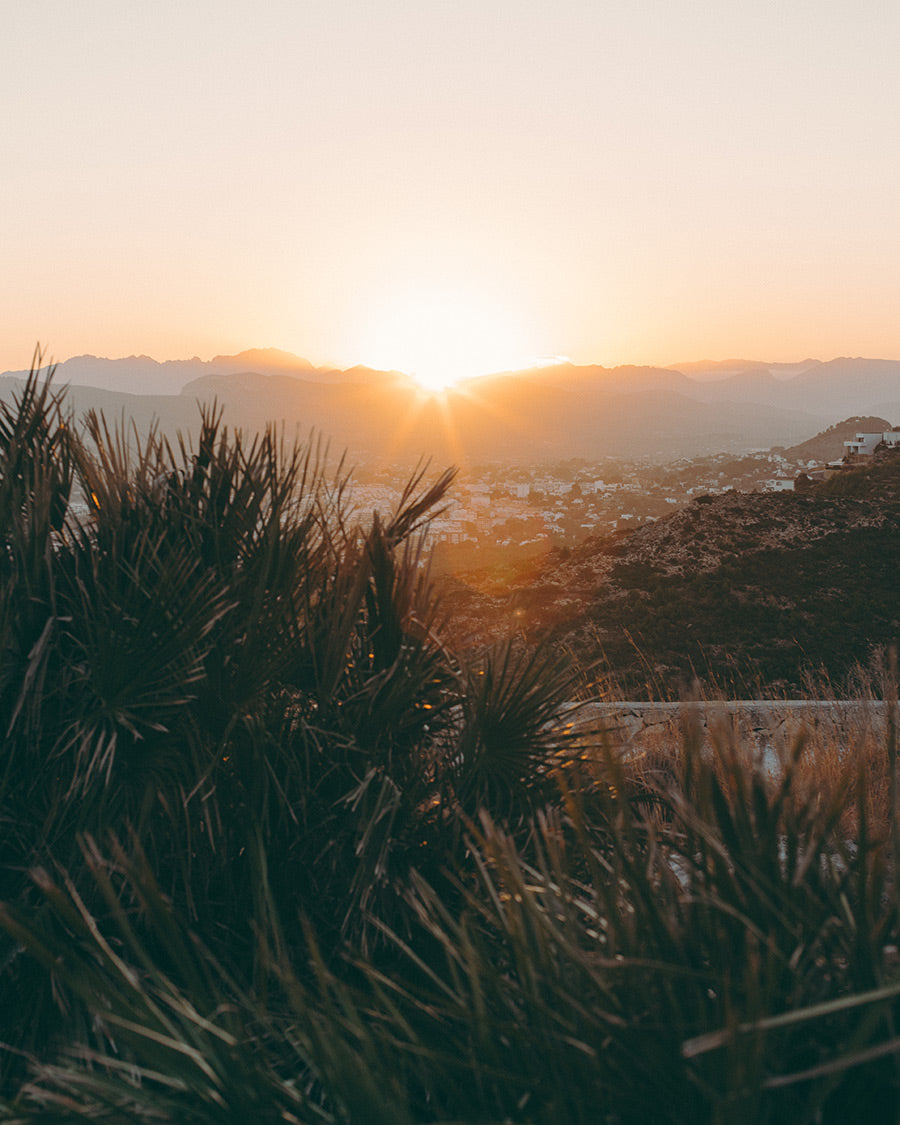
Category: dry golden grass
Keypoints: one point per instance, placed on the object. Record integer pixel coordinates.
(845, 749)
(860, 764)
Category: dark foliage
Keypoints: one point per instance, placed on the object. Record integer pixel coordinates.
(271, 852)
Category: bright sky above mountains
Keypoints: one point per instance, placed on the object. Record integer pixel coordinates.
(453, 183)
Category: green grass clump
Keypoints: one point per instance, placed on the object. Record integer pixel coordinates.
(272, 852)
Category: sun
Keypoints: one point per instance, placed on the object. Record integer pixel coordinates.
(441, 337)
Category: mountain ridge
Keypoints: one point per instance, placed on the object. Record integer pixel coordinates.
(549, 412)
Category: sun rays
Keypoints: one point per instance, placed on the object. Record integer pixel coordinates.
(441, 336)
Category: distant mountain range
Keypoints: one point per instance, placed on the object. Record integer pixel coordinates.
(538, 414)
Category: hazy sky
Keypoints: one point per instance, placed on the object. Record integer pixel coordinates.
(473, 182)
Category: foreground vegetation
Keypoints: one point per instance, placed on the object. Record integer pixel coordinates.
(272, 852)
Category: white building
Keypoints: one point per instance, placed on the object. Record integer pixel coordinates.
(866, 444)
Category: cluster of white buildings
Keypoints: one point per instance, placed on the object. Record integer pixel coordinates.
(503, 507)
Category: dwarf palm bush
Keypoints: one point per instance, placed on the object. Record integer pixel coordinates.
(149, 641)
(731, 967)
(211, 657)
(36, 472)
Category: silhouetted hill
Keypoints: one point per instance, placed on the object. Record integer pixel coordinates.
(627, 379)
(170, 413)
(756, 385)
(850, 386)
(719, 369)
(838, 387)
(136, 374)
(829, 445)
(145, 376)
(267, 361)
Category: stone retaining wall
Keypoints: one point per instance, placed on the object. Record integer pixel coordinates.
(767, 725)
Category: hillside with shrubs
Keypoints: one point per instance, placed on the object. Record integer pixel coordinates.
(754, 593)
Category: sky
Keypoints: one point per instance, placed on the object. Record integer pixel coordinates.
(450, 185)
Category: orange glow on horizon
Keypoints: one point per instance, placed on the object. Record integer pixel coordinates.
(440, 336)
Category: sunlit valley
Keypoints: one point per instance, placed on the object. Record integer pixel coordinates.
(546, 533)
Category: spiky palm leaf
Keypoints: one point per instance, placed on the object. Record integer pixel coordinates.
(514, 730)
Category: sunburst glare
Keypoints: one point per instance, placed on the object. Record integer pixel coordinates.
(440, 338)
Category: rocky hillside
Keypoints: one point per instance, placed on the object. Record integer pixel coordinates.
(829, 445)
(755, 593)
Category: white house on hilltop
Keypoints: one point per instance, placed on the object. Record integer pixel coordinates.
(866, 444)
